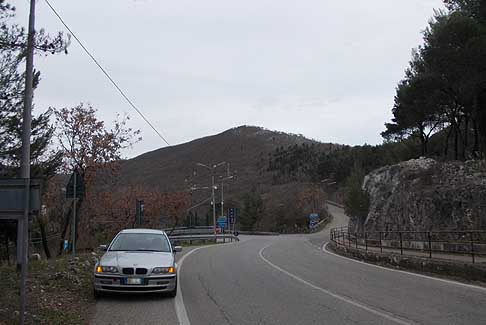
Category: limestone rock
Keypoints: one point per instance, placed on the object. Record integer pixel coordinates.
(424, 194)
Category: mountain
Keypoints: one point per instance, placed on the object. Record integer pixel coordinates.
(246, 149)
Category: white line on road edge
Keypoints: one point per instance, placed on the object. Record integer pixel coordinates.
(470, 286)
(178, 301)
(180, 308)
(336, 296)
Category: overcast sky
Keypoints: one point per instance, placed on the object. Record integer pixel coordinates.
(326, 69)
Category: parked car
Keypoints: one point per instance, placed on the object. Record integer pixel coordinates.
(137, 261)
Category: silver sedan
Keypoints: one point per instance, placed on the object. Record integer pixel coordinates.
(136, 261)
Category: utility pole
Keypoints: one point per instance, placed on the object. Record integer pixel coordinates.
(214, 204)
(222, 197)
(212, 169)
(73, 226)
(25, 159)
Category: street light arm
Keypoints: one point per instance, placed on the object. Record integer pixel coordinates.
(220, 164)
(203, 165)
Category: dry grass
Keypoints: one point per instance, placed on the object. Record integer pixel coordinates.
(59, 292)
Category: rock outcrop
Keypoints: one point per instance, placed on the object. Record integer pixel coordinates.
(424, 194)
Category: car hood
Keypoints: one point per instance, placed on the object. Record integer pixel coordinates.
(137, 259)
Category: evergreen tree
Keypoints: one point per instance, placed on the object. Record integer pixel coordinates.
(13, 41)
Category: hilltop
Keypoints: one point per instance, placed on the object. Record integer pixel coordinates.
(245, 148)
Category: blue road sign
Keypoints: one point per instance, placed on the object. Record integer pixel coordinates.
(232, 215)
(313, 220)
(222, 222)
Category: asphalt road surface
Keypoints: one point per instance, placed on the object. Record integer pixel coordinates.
(292, 280)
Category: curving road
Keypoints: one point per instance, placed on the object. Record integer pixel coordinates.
(291, 280)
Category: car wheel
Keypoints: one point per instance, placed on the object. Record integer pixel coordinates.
(173, 293)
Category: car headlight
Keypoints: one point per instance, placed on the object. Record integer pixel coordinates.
(106, 269)
(163, 270)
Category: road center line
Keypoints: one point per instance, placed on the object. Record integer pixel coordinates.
(336, 296)
(469, 286)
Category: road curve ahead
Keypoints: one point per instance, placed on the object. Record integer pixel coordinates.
(291, 280)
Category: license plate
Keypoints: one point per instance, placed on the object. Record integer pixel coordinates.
(134, 281)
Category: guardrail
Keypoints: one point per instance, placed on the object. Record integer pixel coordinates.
(179, 231)
(209, 230)
(442, 244)
(212, 237)
(258, 233)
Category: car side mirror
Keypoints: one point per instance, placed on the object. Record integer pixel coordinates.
(177, 249)
(103, 248)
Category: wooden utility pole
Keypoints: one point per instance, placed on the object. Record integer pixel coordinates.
(25, 161)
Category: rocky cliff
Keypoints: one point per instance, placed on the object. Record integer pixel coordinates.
(424, 194)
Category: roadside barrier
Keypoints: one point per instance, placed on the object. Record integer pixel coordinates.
(440, 244)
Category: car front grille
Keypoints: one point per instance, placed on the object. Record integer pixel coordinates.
(141, 271)
(127, 270)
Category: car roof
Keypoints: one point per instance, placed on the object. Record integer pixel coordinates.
(142, 231)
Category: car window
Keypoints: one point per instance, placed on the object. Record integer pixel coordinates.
(141, 242)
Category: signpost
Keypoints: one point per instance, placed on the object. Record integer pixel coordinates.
(232, 217)
(18, 204)
(75, 191)
(313, 220)
(75, 186)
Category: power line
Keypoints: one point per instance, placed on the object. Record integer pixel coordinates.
(106, 73)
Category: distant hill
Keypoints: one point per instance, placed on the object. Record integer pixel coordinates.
(247, 149)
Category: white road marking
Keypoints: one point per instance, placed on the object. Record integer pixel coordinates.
(334, 295)
(179, 306)
(179, 301)
(469, 286)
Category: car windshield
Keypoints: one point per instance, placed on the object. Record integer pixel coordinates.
(141, 243)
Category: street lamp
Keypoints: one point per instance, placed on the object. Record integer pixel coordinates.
(212, 168)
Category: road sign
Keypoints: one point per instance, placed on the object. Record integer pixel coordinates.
(79, 186)
(313, 220)
(232, 215)
(222, 221)
(12, 197)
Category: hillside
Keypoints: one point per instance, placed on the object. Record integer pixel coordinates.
(246, 148)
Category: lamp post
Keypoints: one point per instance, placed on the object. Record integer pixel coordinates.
(212, 168)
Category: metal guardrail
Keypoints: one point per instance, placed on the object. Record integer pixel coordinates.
(180, 231)
(258, 233)
(208, 237)
(205, 230)
(455, 243)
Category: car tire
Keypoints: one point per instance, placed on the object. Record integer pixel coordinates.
(173, 293)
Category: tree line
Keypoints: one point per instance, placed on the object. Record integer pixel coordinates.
(443, 93)
(439, 110)
(63, 139)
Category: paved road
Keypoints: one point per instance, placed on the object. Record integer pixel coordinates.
(290, 280)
